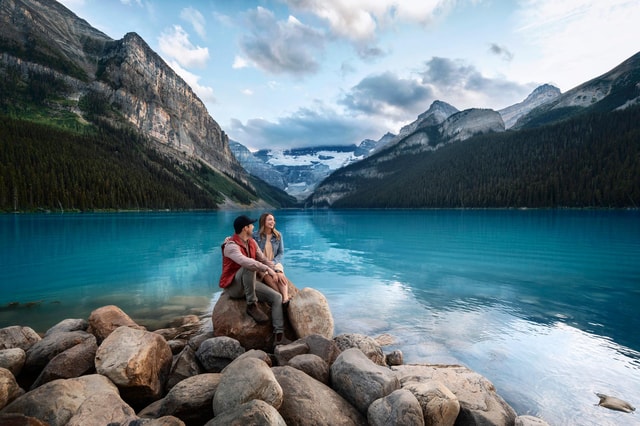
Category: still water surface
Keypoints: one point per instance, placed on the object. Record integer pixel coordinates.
(541, 302)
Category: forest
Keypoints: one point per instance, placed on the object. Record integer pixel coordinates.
(47, 168)
(588, 161)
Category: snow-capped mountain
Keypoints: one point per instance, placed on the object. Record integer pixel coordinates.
(298, 171)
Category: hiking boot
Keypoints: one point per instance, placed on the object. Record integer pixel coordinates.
(256, 313)
(280, 339)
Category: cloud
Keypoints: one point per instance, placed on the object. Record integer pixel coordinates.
(281, 47)
(195, 18)
(360, 20)
(388, 95)
(316, 126)
(501, 51)
(463, 86)
(174, 43)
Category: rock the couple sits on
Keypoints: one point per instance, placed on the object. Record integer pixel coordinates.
(243, 310)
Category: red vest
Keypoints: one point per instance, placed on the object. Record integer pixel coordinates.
(229, 267)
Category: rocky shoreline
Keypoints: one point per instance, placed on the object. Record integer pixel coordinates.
(224, 370)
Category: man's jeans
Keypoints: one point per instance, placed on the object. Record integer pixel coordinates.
(246, 285)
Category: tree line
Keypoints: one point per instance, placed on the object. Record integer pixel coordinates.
(44, 167)
(587, 161)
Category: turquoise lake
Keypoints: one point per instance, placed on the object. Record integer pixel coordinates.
(544, 303)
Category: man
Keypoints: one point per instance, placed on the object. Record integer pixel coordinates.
(242, 259)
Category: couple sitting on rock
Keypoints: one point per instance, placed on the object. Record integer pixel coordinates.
(251, 269)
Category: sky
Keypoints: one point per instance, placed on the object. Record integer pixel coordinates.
(279, 74)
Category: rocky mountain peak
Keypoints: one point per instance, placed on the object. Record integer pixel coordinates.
(541, 95)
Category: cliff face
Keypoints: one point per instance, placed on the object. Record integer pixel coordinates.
(43, 37)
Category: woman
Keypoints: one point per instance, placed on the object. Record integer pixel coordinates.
(270, 242)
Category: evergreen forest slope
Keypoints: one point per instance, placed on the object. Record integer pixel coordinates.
(47, 167)
(591, 160)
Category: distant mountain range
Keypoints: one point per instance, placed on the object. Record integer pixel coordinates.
(117, 128)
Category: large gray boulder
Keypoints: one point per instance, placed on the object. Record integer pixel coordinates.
(43, 351)
(18, 337)
(310, 402)
(254, 412)
(13, 359)
(245, 379)
(104, 408)
(73, 362)
(367, 345)
(216, 353)
(399, 408)
(360, 381)
(58, 401)
(191, 400)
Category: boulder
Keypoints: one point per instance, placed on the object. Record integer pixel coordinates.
(479, 401)
(399, 408)
(56, 402)
(243, 380)
(13, 359)
(310, 402)
(191, 399)
(137, 361)
(9, 388)
(366, 344)
(69, 324)
(312, 365)
(529, 421)
(254, 412)
(16, 419)
(76, 361)
(309, 314)
(230, 319)
(18, 337)
(103, 321)
(39, 355)
(360, 381)
(104, 408)
(324, 347)
(184, 365)
(216, 353)
(438, 404)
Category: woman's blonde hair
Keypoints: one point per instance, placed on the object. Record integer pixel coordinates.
(262, 221)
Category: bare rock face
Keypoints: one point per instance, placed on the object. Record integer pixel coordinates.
(469, 122)
(137, 361)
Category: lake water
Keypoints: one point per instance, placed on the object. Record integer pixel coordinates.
(543, 303)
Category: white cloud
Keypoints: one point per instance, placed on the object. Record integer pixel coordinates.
(578, 35)
(174, 43)
(240, 62)
(247, 92)
(358, 20)
(195, 18)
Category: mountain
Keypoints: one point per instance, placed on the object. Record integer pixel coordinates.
(540, 96)
(614, 90)
(298, 171)
(55, 69)
(576, 149)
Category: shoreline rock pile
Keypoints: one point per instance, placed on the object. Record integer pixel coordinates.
(109, 370)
